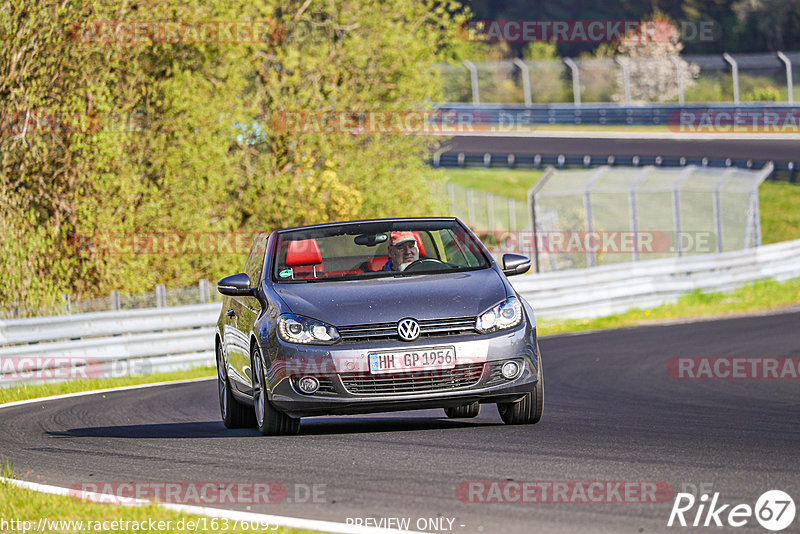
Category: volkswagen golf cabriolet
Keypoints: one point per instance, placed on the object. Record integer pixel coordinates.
(374, 316)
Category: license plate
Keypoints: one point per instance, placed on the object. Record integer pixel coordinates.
(418, 359)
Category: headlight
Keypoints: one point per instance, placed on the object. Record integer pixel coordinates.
(507, 314)
(299, 329)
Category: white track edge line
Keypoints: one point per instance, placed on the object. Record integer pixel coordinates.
(291, 522)
(106, 390)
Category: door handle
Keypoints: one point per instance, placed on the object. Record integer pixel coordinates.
(230, 313)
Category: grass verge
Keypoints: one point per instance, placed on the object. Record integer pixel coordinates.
(759, 296)
(68, 514)
(30, 391)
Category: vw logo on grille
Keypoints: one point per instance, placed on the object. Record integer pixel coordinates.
(408, 329)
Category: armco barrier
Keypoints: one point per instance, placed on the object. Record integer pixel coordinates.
(517, 116)
(163, 339)
(114, 342)
(598, 291)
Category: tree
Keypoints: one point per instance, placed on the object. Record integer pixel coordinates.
(153, 139)
(653, 75)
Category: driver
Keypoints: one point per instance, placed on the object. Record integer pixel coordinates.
(403, 251)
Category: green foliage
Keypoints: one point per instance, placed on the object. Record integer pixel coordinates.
(154, 145)
(762, 94)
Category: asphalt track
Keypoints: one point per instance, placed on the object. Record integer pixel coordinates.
(761, 149)
(611, 414)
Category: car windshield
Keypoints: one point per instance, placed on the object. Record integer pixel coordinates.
(362, 250)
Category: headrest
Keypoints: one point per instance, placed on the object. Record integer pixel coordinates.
(303, 252)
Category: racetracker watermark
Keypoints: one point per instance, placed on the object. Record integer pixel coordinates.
(171, 243)
(433, 362)
(601, 241)
(564, 491)
(589, 31)
(734, 368)
(135, 32)
(734, 121)
(201, 493)
(379, 122)
(60, 368)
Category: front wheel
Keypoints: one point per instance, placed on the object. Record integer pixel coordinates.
(234, 414)
(527, 410)
(269, 420)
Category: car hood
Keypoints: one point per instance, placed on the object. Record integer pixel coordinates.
(383, 300)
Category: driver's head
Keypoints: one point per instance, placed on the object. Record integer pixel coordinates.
(403, 249)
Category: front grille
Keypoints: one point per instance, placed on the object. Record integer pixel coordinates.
(461, 376)
(427, 328)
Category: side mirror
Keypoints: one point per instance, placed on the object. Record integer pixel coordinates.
(515, 264)
(235, 285)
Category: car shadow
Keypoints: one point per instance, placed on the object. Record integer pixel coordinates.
(366, 425)
(309, 426)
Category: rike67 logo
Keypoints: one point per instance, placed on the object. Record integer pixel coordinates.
(774, 510)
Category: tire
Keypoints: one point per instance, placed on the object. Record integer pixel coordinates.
(234, 414)
(270, 421)
(527, 410)
(466, 411)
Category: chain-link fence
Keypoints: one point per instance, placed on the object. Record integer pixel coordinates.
(483, 211)
(609, 215)
(730, 78)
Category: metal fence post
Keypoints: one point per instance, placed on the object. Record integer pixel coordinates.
(490, 210)
(789, 86)
(735, 74)
(471, 206)
(676, 206)
(532, 211)
(576, 79)
(679, 69)
(66, 298)
(717, 208)
(205, 294)
(161, 296)
(473, 77)
(633, 208)
(115, 300)
(526, 80)
(626, 77)
(451, 198)
(591, 257)
(512, 215)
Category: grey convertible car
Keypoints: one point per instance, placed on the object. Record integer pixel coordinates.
(373, 316)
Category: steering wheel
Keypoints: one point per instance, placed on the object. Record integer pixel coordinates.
(415, 265)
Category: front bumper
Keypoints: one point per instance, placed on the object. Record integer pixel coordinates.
(347, 386)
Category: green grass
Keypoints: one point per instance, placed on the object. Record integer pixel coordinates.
(505, 182)
(26, 505)
(779, 204)
(759, 296)
(25, 391)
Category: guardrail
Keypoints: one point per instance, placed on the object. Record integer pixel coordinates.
(107, 344)
(103, 344)
(597, 291)
(517, 116)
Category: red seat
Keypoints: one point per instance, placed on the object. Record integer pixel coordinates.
(377, 263)
(304, 258)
